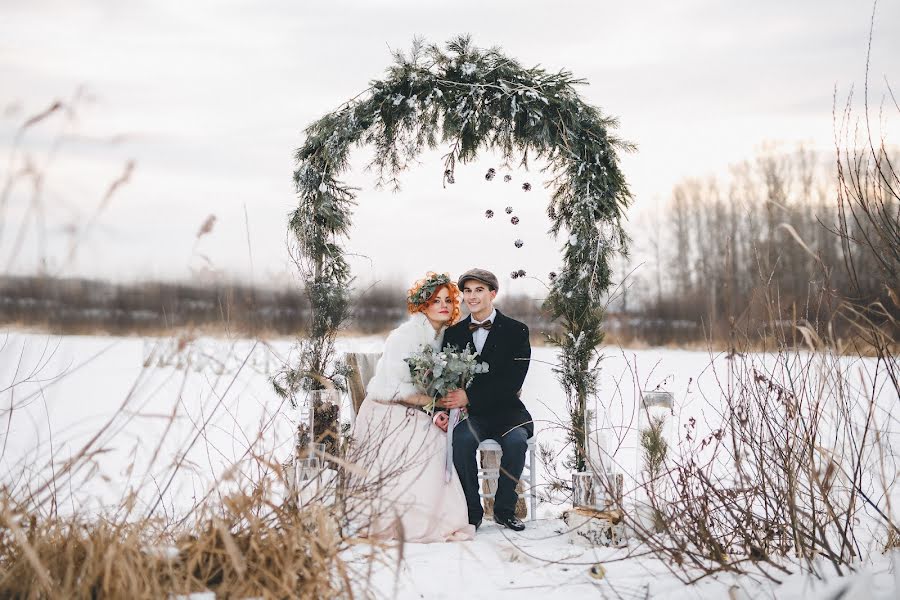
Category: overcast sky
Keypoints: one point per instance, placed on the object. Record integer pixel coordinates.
(210, 99)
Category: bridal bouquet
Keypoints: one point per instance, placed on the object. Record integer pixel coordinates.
(439, 373)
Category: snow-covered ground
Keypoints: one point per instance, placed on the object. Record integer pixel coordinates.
(541, 562)
(206, 402)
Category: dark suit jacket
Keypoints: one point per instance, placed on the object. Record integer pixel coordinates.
(494, 396)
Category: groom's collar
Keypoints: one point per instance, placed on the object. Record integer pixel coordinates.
(496, 314)
(491, 317)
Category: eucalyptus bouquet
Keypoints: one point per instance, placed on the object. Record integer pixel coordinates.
(437, 373)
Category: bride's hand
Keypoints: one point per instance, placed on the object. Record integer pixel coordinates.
(442, 420)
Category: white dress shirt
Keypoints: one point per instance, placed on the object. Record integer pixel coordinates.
(480, 335)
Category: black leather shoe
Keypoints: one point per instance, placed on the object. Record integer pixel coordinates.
(510, 522)
(477, 525)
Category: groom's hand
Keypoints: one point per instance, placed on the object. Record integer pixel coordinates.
(442, 420)
(455, 399)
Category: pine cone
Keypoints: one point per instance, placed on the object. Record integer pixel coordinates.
(489, 214)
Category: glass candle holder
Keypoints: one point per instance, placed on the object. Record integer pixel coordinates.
(318, 423)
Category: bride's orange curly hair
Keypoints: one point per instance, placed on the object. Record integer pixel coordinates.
(423, 291)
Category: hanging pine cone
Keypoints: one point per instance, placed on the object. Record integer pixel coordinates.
(552, 275)
(448, 176)
(507, 178)
(519, 243)
(526, 186)
(514, 220)
(509, 210)
(490, 174)
(521, 272)
(489, 214)
(514, 274)
(551, 212)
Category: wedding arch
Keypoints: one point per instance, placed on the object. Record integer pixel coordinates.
(466, 99)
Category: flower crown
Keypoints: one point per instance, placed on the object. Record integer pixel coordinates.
(423, 289)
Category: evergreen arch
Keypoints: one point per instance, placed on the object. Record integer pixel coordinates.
(466, 99)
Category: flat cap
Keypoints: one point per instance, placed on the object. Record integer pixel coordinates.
(481, 275)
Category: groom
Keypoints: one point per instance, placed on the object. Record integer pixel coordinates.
(493, 403)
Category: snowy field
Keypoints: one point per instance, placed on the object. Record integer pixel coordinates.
(206, 404)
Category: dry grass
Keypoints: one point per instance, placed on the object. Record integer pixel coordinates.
(246, 547)
(250, 535)
(893, 540)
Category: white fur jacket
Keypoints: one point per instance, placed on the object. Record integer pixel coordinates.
(392, 380)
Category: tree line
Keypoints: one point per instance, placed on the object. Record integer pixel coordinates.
(759, 248)
(85, 306)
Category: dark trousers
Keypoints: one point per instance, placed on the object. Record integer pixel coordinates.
(466, 437)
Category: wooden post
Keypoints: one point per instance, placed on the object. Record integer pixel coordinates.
(363, 365)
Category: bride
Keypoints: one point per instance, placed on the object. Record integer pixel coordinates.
(399, 446)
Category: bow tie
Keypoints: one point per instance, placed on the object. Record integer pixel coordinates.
(485, 325)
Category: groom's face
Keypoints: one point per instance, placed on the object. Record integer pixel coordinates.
(478, 297)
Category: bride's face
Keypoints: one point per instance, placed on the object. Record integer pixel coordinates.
(440, 308)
